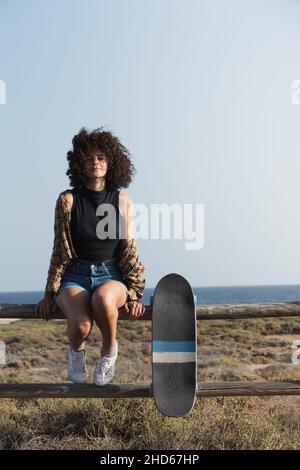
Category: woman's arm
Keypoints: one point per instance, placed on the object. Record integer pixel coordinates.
(127, 213)
(47, 306)
(55, 259)
(129, 263)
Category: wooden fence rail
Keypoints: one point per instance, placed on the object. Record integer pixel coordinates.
(204, 312)
(207, 389)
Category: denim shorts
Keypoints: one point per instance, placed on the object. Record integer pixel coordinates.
(88, 277)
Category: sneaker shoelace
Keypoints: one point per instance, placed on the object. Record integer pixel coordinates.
(106, 364)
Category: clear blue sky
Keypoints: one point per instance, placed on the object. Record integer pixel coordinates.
(199, 92)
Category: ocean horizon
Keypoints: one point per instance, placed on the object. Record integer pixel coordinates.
(205, 295)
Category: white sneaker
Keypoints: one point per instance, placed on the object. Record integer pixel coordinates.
(105, 369)
(78, 372)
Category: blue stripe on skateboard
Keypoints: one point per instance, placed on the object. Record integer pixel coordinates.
(174, 346)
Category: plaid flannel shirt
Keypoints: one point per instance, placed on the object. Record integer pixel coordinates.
(63, 252)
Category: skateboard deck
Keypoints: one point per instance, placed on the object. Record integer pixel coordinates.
(174, 347)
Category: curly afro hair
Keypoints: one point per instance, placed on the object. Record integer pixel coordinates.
(120, 169)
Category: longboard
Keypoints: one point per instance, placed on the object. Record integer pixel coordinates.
(174, 347)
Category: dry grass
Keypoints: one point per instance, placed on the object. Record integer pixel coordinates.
(236, 350)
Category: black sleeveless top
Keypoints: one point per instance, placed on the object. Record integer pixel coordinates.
(92, 239)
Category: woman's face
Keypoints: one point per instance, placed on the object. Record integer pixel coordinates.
(95, 166)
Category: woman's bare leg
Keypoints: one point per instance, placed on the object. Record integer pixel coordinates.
(105, 302)
(75, 304)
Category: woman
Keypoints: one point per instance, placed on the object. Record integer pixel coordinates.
(94, 271)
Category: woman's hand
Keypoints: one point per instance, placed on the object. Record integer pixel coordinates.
(45, 308)
(134, 309)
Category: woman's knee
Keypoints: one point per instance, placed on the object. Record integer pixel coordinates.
(80, 330)
(102, 301)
